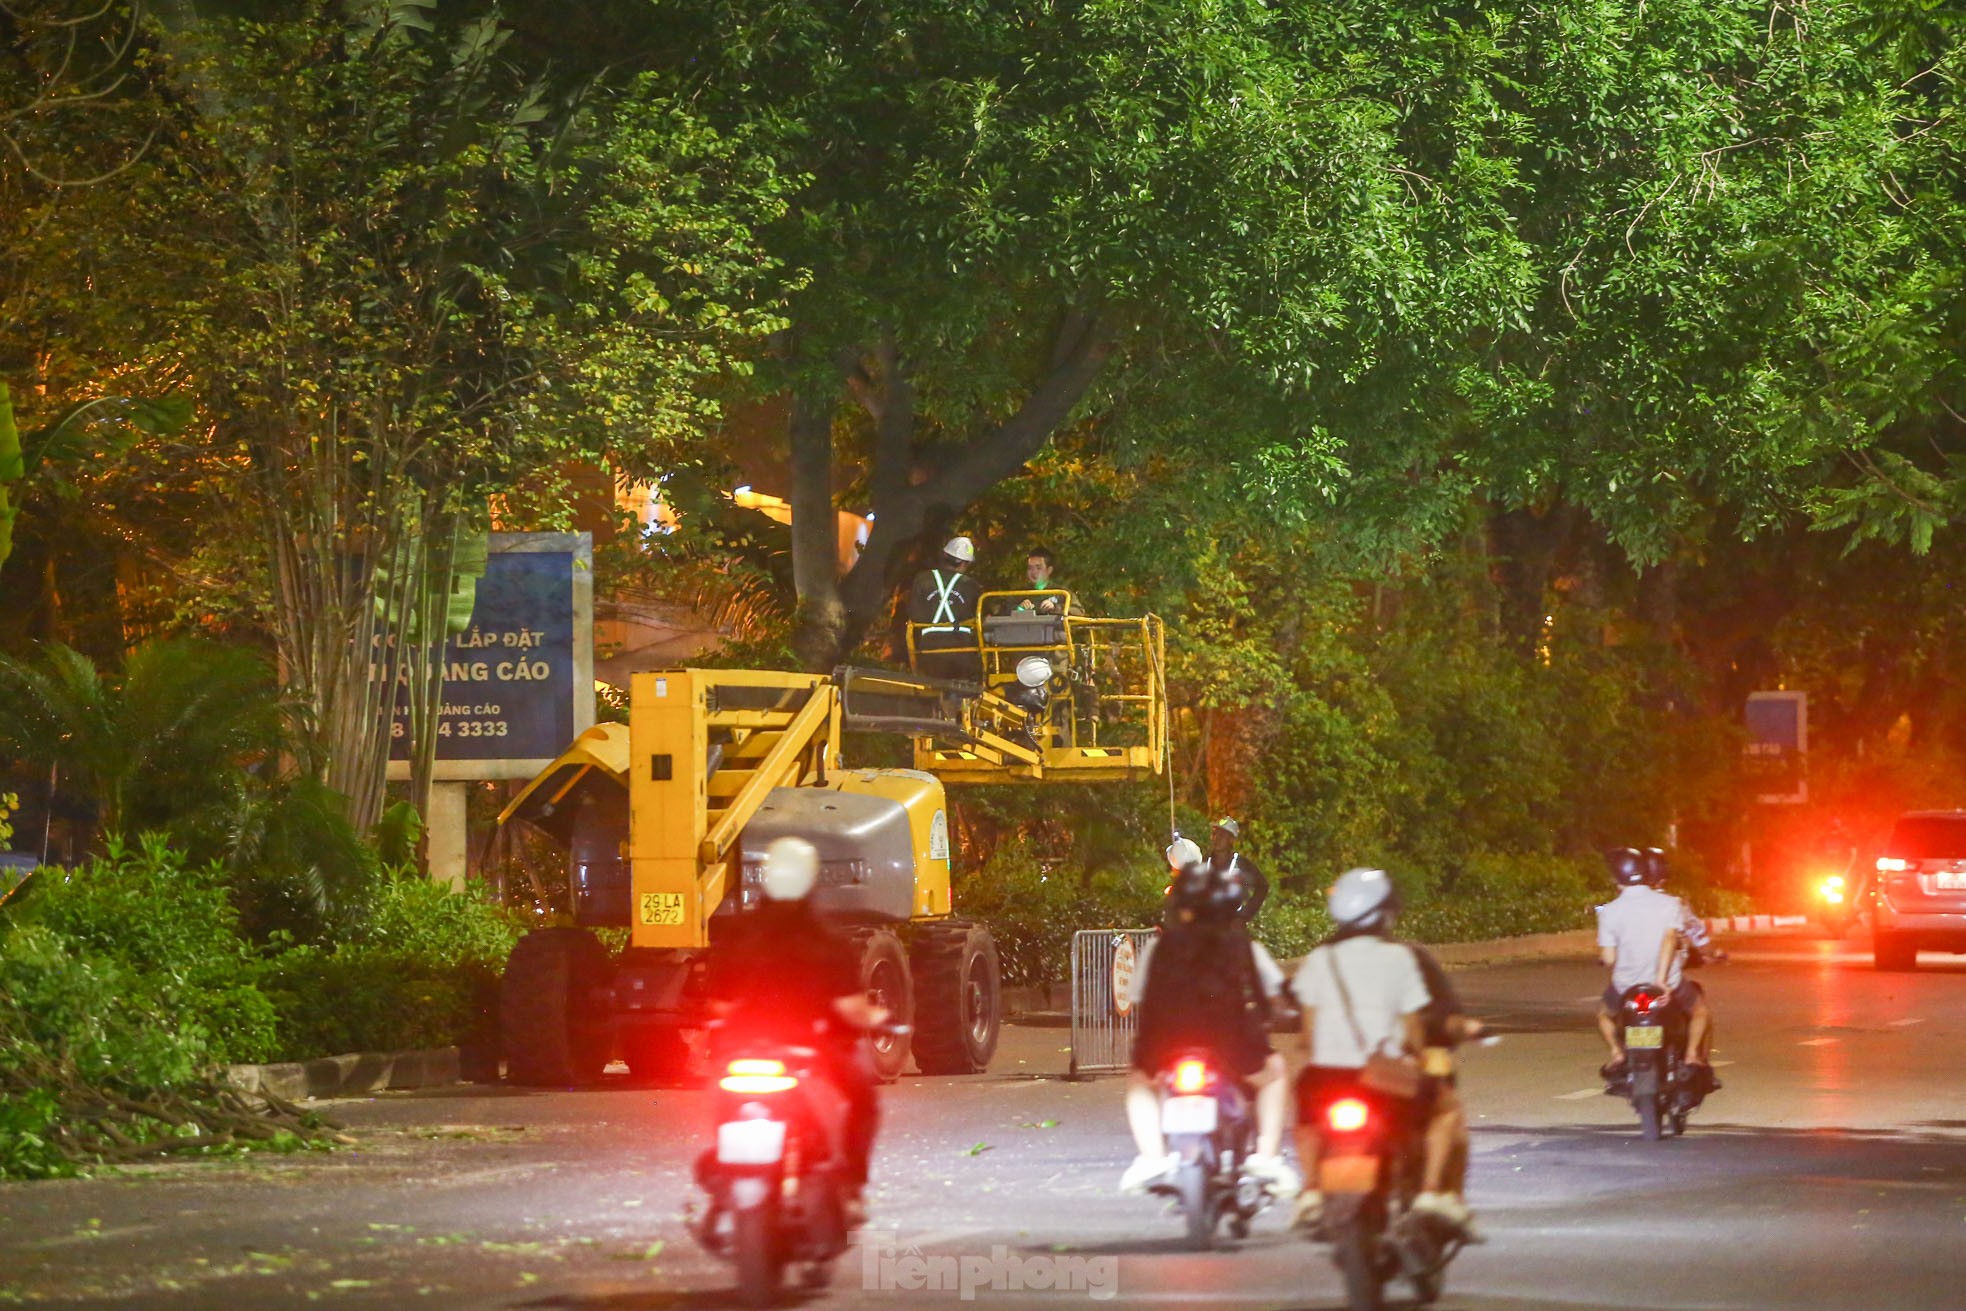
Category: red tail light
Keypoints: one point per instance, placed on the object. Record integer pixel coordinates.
(1190, 1076)
(753, 1076)
(1642, 1003)
(1347, 1116)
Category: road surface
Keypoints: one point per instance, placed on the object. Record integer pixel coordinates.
(1830, 1173)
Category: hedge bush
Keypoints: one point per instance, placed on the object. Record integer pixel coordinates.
(1033, 910)
(421, 970)
(133, 975)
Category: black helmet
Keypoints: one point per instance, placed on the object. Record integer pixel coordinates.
(1192, 888)
(1655, 866)
(1627, 866)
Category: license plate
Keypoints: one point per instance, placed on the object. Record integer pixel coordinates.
(750, 1142)
(1949, 880)
(1348, 1174)
(1188, 1115)
(1645, 1037)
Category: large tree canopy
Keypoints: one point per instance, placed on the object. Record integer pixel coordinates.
(401, 272)
(1019, 216)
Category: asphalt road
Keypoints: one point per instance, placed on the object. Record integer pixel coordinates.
(1829, 1173)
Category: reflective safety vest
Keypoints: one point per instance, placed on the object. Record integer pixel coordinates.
(945, 600)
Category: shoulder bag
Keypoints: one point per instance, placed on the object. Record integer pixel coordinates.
(1395, 1076)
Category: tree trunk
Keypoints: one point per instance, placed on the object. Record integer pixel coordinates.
(910, 486)
(819, 638)
(1526, 547)
(326, 532)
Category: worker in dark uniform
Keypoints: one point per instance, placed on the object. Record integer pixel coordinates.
(1224, 859)
(1040, 569)
(942, 601)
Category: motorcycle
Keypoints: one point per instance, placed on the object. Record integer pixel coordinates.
(1661, 1087)
(1369, 1172)
(1208, 1119)
(1837, 906)
(775, 1177)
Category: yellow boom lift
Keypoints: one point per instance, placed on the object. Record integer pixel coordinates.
(665, 818)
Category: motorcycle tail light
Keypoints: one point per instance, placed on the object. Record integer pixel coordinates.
(1348, 1115)
(1643, 1003)
(1190, 1076)
(756, 1076)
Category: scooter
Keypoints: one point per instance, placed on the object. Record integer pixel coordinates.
(1208, 1119)
(1657, 1081)
(1369, 1172)
(775, 1177)
(1837, 905)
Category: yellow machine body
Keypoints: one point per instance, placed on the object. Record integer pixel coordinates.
(1106, 714)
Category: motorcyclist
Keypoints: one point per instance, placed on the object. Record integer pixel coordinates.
(1205, 984)
(1644, 936)
(942, 601)
(1363, 993)
(778, 970)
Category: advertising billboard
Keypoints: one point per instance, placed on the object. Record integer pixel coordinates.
(519, 680)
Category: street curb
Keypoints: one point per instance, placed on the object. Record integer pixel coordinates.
(349, 1075)
(1038, 999)
(1756, 923)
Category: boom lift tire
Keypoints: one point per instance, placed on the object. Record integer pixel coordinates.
(551, 1030)
(958, 997)
(884, 973)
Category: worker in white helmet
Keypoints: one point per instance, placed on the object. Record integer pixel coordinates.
(942, 610)
(777, 969)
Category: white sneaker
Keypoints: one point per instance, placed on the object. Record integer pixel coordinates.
(1146, 1171)
(1449, 1208)
(1273, 1171)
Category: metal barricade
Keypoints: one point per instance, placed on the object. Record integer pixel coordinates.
(1104, 1018)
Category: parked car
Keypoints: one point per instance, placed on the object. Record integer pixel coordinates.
(1918, 899)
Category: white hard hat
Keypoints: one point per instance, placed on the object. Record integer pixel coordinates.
(791, 867)
(1034, 671)
(1182, 853)
(1361, 897)
(960, 548)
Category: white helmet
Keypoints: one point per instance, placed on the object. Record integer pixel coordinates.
(1361, 897)
(791, 867)
(1181, 853)
(960, 548)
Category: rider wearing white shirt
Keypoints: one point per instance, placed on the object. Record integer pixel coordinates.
(1643, 935)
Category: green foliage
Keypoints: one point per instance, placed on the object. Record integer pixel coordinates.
(1032, 908)
(134, 967)
(355, 999)
(187, 740)
(164, 743)
(420, 918)
(397, 835)
(421, 971)
(134, 973)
